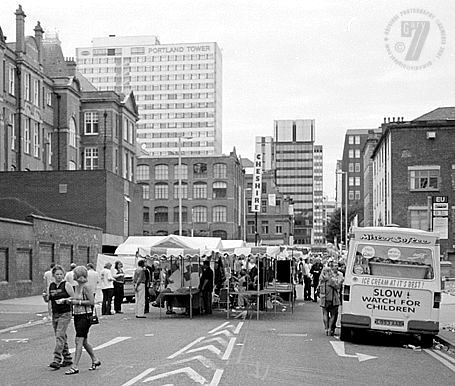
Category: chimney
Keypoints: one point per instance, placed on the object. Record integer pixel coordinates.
(39, 41)
(393, 119)
(385, 120)
(20, 28)
(70, 66)
(388, 120)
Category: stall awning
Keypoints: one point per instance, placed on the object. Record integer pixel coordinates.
(254, 251)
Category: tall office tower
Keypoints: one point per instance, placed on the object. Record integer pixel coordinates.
(264, 146)
(293, 158)
(177, 89)
(318, 197)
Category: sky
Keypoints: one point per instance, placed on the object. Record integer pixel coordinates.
(322, 60)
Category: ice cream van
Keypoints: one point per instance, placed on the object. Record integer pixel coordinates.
(392, 283)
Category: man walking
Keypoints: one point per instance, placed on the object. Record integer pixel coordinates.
(107, 287)
(206, 286)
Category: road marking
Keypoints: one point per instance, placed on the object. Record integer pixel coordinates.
(195, 376)
(229, 348)
(292, 334)
(237, 329)
(5, 356)
(441, 359)
(209, 347)
(224, 332)
(221, 341)
(340, 351)
(139, 377)
(107, 344)
(205, 361)
(18, 340)
(242, 314)
(186, 347)
(218, 328)
(216, 377)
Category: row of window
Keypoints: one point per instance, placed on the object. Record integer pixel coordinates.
(354, 167)
(354, 153)
(32, 92)
(354, 139)
(176, 125)
(91, 161)
(91, 126)
(156, 78)
(200, 114)
(193, 134)
(264, 228)
(175, 67)
(138, 59)
(161, 191)
(162, 171)
(354, 181)
(158, 145)
(199, 214)
(354, 195)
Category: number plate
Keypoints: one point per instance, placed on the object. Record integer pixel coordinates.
(386, 322)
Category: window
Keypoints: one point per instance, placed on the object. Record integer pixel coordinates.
(161, 191)
(200, 170)
(200, 190)
(36, 141)
(263, 206)
(27, 138)
(424, 179)
(417, 261)
(351, 153)
(49, 98)
(27, 87)
(184, 214)
(72, 133)
(12, 127)
(146, 215)
(72, 165)
(49, 149)
(219, 171)
(357, 195)
(184, 190)
(357, 153)
(351, 195)
(357, 139)
(91, 158)
(357, 181)
(161, 214)
(357, 167)
(161, 172)
(251, 227)
(145, 191)
(36, 89)
(200, 214)
(143, 172)
(264, 227)
(219, 214)
(351, 181)
(351, 140)
(184, 172)
(219, 190)
(351, 167)
(91, 123)
(11, 80)
(278, 229)
(418, 218)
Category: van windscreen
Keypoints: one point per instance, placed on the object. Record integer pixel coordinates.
(393, 261)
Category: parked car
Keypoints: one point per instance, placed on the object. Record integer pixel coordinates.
(128, 286)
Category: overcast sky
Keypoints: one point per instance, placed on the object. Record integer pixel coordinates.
(322, 60)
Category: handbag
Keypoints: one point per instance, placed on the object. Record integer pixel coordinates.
(92, 317)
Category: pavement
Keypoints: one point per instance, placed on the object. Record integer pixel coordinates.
(28, 311)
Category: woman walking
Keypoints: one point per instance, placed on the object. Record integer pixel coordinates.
(330, 283)
(119, 282)
(83, 302)
(59, 290)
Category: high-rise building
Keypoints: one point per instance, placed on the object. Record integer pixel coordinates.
(177, 88)
(293, 154)
(318, 197)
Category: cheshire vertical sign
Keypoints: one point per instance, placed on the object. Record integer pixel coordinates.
(257, 184)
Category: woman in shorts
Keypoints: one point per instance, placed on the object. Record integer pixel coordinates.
(83, 302)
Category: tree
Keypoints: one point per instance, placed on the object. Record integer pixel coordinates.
(333, 227)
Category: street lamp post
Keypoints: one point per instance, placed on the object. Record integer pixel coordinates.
(180, 182)
(346, 207)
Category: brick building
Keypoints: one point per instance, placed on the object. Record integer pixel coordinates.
(212, 195)
(97, 198)
(274, 223)
(27, 248)
(413, 164)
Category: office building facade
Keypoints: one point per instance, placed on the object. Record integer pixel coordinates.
(178, 89)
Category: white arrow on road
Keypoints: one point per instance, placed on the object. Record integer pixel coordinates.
(243, 315)
(339, 349)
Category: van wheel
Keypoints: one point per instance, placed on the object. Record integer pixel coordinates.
(345, 334)
(426, 341)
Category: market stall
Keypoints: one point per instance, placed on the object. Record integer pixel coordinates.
(263, 267)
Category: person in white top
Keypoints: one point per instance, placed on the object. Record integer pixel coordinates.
(107, 286)
(48, 279)
(93, 278)
(69, 277)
